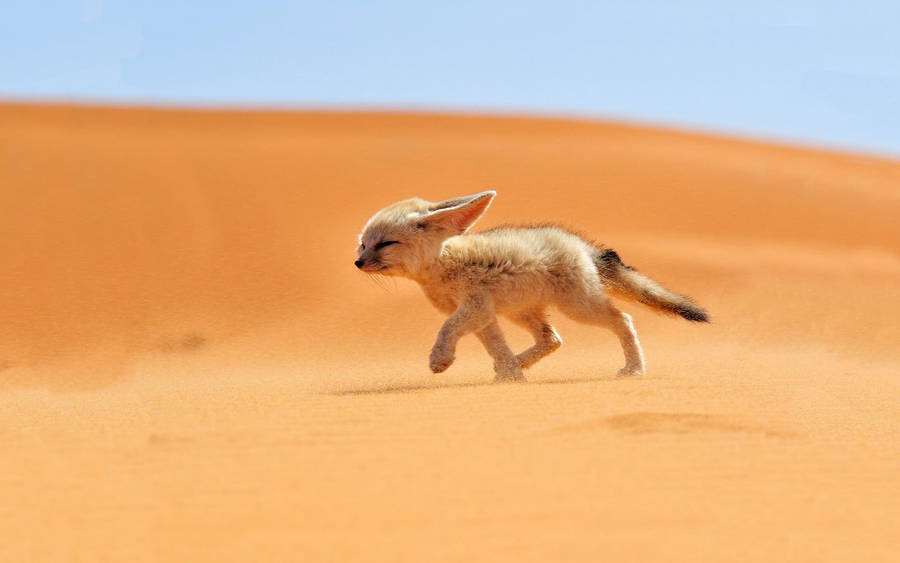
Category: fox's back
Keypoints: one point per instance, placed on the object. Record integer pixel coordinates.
(519, 263)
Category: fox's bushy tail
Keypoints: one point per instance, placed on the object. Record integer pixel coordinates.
(624, 281)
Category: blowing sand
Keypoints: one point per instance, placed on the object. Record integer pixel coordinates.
(191, 368)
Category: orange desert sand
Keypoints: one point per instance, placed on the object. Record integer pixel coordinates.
(193, 370)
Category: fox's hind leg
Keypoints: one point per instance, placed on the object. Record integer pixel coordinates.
(506, 365)
(546, 339)
(600, 311)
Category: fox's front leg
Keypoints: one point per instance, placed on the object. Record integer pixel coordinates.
(473, 314)
(506, 364)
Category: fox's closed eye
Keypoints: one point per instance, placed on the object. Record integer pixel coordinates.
(385, 243)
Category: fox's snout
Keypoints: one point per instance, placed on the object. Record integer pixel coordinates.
(368, 264)
(363, 265)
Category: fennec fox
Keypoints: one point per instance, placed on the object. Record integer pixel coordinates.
(512, 271)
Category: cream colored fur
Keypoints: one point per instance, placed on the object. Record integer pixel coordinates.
(517, 272)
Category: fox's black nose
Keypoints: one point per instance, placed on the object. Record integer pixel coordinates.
(358, 263)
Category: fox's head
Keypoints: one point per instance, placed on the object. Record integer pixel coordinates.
(403, 239)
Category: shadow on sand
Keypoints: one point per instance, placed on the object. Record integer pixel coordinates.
(388, 389)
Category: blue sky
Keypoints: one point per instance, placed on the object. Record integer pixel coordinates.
(822, 73)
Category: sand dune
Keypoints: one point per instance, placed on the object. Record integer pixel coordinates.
(191, 368)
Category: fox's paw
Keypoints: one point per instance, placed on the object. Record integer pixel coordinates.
(631, 371)
(508, 372)
(440, 360)
(509, 377)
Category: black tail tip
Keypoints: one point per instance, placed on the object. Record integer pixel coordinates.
(696, 315)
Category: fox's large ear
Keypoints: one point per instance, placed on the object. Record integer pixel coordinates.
(459, 213)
